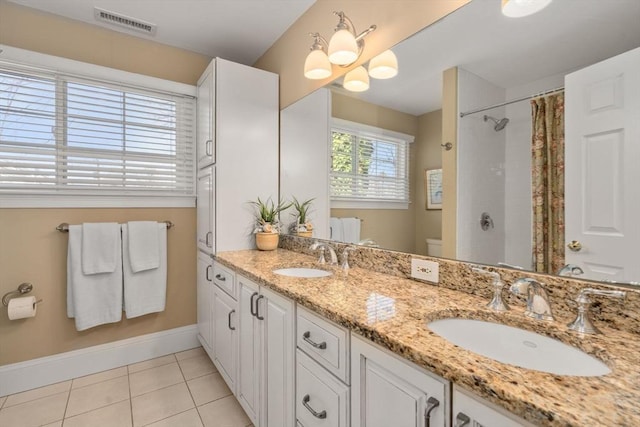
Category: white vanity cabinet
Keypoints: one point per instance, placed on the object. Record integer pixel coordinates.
(204, 295)
(471, 411)
(225, 335)
(387, 391)
(266, 355)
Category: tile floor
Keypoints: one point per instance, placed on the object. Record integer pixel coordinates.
(178, 390)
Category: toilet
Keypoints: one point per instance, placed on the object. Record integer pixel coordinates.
(434, 247)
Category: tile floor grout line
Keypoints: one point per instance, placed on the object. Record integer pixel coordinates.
(130, 398)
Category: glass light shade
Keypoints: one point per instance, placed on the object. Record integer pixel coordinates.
(317, 65)
(356, 80)
(343, 48)
(520, 8)
(384, 66)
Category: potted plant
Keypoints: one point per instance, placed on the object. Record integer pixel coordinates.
(267, 225)
(302, 227)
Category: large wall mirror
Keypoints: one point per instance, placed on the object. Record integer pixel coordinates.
(498, 60)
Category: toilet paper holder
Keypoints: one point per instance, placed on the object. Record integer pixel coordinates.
(23, 288)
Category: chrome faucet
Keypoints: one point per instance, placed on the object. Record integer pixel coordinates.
(570, 270)
(538, 305)
(496, 303)
(582, 323)
(345, 257)
(325, 246)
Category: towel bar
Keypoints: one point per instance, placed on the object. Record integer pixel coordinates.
(64, 227)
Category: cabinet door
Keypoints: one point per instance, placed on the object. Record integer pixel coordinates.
(204, 294)
(471, 411)
(387, 391)
(205, 210)
(205, 112)
(225, 327)
(278, 379)
(249, 353)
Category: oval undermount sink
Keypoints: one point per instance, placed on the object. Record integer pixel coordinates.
(302, 272)
(518, 347)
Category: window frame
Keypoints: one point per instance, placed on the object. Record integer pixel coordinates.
(385, 135)
(20, 60)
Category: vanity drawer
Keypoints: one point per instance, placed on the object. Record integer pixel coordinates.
(325, 342)
(321, 400)
(225, 278)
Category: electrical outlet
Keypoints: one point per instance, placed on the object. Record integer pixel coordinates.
(425, 270)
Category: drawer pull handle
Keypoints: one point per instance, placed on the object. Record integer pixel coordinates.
(207, 273)
(233, 328)
(306, 336)
(258, 308)
(432, 403)
(462, 420)
(305, 402)
(208, 143)
(221, 277)
(253, 313)
(208, 239)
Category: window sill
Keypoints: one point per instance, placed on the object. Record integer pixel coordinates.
(16, 201)
(368, 204)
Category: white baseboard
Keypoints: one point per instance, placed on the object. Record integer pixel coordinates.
(43, 371)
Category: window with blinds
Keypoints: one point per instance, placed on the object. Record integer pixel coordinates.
(368, 166)
(61, 134)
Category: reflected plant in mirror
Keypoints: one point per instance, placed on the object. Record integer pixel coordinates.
(501, 164)
(302, 225)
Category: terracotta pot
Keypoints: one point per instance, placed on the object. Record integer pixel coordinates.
(267, 241)
(305, 233)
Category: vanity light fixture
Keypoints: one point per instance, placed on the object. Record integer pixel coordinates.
(520, 8)
(384, 66)
(356, 80)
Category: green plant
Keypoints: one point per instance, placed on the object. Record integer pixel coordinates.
(267, 214)
(302, 208)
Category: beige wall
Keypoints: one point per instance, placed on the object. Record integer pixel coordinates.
(30, 248)
(390, 228)
(396, 20)
(428, 156)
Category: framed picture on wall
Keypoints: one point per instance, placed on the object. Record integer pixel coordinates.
(433, 188)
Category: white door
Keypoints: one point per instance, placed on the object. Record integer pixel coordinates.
(205, 210)
(225, 327)
(205, 112)
(249, 354)
(278, 376)
(602, 154)
(204, 294)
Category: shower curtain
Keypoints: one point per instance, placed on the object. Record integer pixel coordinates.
(547, 148)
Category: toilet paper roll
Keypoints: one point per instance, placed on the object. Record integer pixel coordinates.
(22, 308)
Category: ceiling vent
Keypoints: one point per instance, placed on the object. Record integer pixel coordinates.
(124, 21)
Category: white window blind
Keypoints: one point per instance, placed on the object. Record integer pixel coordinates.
(61, 134)
(368, 164)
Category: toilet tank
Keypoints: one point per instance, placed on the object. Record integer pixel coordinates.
(434, 247)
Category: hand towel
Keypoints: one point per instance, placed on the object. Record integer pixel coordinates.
(145, 291)
(100, 247)
(351, 227)
(144, 251)
(337, 232)
(92, 299)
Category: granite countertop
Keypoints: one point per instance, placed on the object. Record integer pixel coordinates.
(393, 312)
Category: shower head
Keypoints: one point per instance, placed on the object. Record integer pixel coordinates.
(500, 124)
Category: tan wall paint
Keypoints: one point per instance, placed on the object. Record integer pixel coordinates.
(32, 250)
(390, 228)
(449, 161)
(396, 20)
(43, 32)
(428, 156)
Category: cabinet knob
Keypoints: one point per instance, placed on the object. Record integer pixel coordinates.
(220, 277)
(305, 402)
(306, 336)
(574, 246)
(462, 420)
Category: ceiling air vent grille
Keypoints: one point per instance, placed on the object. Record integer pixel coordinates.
(124, 21)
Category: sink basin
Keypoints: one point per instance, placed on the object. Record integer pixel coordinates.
(518, 347)
(302, 272)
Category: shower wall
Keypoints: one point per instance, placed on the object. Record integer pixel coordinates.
(518, 209)
(481, 177)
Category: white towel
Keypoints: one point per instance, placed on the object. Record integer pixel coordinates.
(144, 251)
(337, 232)
(100, 247)
(145, 291)
(92, 299)
(351, 227)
